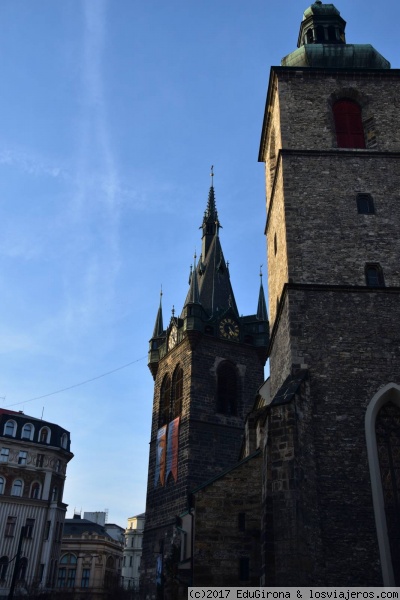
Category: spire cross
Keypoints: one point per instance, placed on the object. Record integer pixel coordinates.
(261, 271)
(173, 310)
(212, 175)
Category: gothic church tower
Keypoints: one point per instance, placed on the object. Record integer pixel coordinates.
(331, 146)
(207, 365)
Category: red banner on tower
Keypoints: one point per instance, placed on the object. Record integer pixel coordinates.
(172, 448)
(160, 455)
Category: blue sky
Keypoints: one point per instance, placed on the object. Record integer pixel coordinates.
(111, 113)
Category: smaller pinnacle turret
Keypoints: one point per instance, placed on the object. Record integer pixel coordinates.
(262, 306)
(193, 294)
(158, 327)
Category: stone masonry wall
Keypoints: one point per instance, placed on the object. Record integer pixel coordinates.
(350, 357)
(208, 442)
(219, 541)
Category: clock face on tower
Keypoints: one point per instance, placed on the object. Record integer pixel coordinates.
(229, 329)
(173, 337)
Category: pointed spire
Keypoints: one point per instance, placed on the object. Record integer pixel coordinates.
(211, 222)
(158, 327)
(262, 314)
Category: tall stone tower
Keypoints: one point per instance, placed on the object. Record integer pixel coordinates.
(331, 146)
(207, 365)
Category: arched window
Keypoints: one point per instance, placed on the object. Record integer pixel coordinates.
(348, 124)
(54, 494)
(2, 485)
(44, 435)
(10, 428)
(110, 574)
(3, 567)
(17, 488)
(382, 432)
(227, 389)
(309, 37)
(64, 440)
(27, 431)
(23, 565)
(177, 392)
(387, 428)
(35, 490)
(374, 275)
(67, 571)
(365, 204)
(165, 400)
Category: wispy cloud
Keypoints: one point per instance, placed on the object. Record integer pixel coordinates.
(30, 163)
(94, 207)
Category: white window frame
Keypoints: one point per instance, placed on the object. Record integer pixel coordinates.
(48, 437)
(21, 488)
(5, 452)
(7, 424)
(31, 432)
(23, 457)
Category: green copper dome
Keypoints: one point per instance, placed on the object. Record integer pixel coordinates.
(322, 43)
(320, 9)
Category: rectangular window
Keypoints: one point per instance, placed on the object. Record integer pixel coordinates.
(39, 460)
(130, 560)
(29, 525)
(10, 526)
(4, 455)
(22, 457)
(244, 568)
(242, 521)
(47, 531)
(62, 574)
(85, 578)
(71, 578)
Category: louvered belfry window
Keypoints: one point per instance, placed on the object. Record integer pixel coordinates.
(348, 124)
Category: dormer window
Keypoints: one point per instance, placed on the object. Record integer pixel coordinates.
(27, 431)
(10, 428)
(44, 435)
